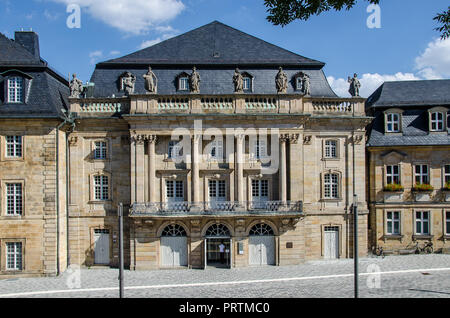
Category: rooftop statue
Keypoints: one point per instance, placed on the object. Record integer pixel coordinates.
(151, 81)
(195, 81)
(355, 85)
(281, 81)
(128, 82)
(306, 82)
(238, 81)
(76, 87)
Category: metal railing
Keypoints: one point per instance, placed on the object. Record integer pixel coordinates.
(220, 207)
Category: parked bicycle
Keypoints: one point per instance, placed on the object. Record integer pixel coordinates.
(427, 248)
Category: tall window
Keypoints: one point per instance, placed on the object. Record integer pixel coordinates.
(260, 190)
(247, 84)
(15, 90)
(183, 84)
(260, 149)
(14, 256)
(100, 151)
(13, 146)
(174, 150)
(101, 188)
(422, 223)
(331, 186)
(447, 173)
(217, 190)
(393, 123)
(393, 223)
(174, 191)
(437, 121)
(421, 174)
(217, 149)
(331, 149)
(447, 223)
(14, 199)
(392, 174)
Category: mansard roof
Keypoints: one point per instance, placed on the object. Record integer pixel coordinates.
(46, 91)
(215, 43)
(215, 50)
(411, 93)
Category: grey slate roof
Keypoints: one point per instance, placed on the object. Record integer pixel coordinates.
(415, 98)
(200, 45)
(411, 93)
(48, 92)
(172, 57)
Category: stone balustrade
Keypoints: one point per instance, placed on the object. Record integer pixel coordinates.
(216, 208)
(227, 104)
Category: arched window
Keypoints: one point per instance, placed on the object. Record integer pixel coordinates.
(174, 230)
(218, 230)
(261, 230)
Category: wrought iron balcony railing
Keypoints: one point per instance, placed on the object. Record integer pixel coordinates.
(217, 208)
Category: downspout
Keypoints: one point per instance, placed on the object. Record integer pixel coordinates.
(66, 120)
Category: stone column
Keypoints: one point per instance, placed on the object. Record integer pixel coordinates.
(240, 167)
(133, 168)
(295, 170)
(196, 169)
(140, 177)
(152, 139)
(282, 172)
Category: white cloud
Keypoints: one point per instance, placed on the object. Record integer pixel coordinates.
(114, 53)
(94, 56)
(433, 63)
(50, 16)
(164, 37)
(131, 16)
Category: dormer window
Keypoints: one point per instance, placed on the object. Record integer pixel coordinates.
(437, 117)
(183, 83)
(15, 90)
(393, 123)
(247, 84)
(437, 121)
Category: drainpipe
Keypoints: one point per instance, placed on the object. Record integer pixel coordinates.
(66, 120)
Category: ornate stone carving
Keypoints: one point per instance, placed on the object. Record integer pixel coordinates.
(152, 139)
(138, 139)
(127, 83)
(358, 139)
(151, 81)
(73, 141)
(293, 138)
(76, 87)
(281, 81)
(355, 85)
(195, 81)
(238, 81)
(284, 137)
(307, 140)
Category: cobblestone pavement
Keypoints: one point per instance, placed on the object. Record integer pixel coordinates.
(312, 279)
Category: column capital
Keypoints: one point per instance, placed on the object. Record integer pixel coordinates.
(152, 139)
(73, 140)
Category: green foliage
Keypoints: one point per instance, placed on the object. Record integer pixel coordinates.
(283, 12)
(423, 187)
(444, 19)
(393, 187)
(447, 186)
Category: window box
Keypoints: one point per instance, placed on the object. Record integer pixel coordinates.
(393, 187)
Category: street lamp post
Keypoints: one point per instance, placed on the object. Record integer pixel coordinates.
(355, 243)
(120, 214)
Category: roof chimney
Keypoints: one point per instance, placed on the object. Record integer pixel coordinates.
(30, 41)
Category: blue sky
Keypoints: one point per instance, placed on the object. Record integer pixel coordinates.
(405, 47)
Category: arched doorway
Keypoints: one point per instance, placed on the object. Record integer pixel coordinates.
(174, 246)
(218, 246)
(261, 245)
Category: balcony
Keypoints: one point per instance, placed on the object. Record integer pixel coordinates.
(225, 208)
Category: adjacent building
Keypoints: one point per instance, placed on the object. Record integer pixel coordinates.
(409, 165)
(33, 99)
(225, 151)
